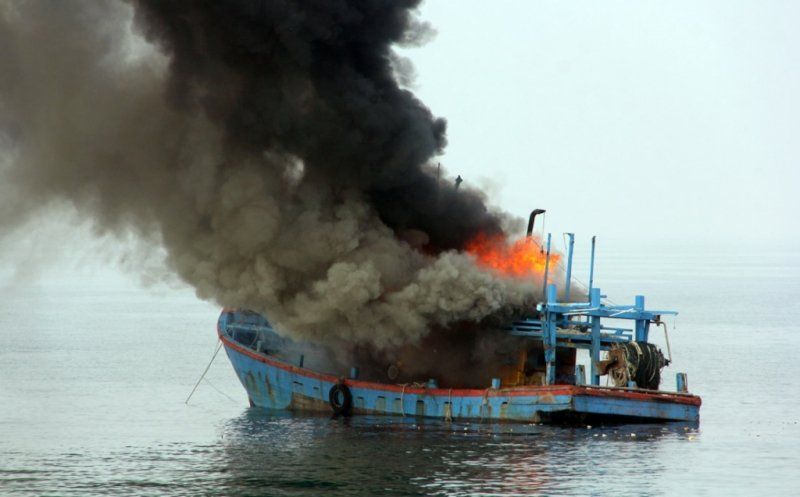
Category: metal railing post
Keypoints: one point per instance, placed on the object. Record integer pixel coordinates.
(591, 269)
(568, 283)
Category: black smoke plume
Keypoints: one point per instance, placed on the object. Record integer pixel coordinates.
(265, 145)
(315, 80)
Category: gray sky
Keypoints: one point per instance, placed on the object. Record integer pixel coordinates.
(665, 120)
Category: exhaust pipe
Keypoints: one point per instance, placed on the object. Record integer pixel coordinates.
(532, 218)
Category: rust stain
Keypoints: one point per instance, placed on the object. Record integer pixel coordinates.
(546, 399)
(306, 403)
(268, 385)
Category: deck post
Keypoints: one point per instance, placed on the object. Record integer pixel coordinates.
(681, 383)
(641, 332)
(549, 329)
(580, 374)
(547, 267)
(569, 266)
(594, 301)
(591, 270)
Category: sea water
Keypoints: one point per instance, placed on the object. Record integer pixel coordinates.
(94, 373)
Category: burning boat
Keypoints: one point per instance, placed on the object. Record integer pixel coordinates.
(536, 378)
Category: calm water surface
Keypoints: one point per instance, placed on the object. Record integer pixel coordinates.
(94, 374)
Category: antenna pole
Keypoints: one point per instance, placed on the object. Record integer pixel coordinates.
(569, 265)
(546, 266)
(591, 268)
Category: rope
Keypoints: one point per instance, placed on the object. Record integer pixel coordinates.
(642, 364)
(666, 338)
(574, 278)
(220, 391)
(623, 311)
(219, 346)
(580, 311)
(416, 384)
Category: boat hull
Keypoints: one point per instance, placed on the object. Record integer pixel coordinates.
(274, 384)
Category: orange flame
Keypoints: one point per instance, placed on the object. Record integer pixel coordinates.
(521, 258)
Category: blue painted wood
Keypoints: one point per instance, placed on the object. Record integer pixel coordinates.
(546, 266)
(275, 385)
(591, 268)
(580, 374)
(640, 323)
(568, 277)
(274, 388)
(648, 410)
(594, 301)
(550, 338)
(681, 382)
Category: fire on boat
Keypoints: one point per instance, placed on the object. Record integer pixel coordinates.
(538, 378)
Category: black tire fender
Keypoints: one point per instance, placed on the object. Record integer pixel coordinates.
(341, 399)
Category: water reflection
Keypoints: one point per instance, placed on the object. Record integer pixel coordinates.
(280, 454)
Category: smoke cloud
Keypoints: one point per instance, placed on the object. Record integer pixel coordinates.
(267, 146)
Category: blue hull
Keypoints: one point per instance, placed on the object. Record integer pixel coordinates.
(275, 384)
